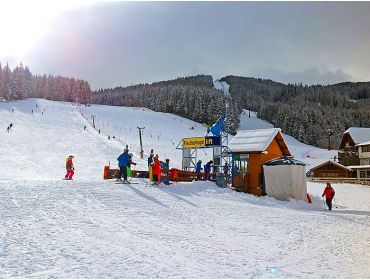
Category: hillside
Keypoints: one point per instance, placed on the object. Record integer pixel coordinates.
(90, 228)
(311, 114)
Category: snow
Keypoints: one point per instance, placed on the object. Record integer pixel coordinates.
(222, 86)
(253, 140)
(91, 228)
(359, 134)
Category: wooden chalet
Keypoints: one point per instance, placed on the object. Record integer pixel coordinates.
(331, 169)
(348, 153)
(250, 150)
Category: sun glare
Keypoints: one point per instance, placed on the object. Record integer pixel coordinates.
(23, 23)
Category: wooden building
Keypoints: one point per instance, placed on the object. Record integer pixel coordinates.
(250, 150)
(348, 153)
(331, 169)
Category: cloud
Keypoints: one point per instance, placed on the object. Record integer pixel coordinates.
(308, 76)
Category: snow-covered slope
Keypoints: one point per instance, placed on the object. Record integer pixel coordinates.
(90, 228)
(39, 142)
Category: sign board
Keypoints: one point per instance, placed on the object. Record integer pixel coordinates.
(217, 151)
(195, 142)
(186, 158)
(212, 141)
(201, 142)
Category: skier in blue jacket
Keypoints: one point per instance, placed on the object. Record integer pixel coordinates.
(207, 169)
(123, 162)
(198, 168)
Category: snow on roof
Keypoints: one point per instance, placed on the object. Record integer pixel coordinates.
(359, 134)
(253, 140)
(359, 166)
(363, 144)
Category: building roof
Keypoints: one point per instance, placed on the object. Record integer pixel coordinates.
(255, 140)
(359, 134)
(284, 161)
(363, 144)
(332, 162)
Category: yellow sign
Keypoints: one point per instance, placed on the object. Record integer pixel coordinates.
(196, 142)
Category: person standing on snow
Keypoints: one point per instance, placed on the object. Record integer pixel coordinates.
(150, 159)
(198, 168)
(129, 171)
(329, 195)
(207, 169)
(123, 162)
(70, 168)
(156, 170)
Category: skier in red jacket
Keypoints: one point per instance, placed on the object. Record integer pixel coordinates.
(329, 195)
(70, 168)
(156, 170)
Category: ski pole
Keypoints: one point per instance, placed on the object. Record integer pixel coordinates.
(335, 203)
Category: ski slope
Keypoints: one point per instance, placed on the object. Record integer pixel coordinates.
(90, 228)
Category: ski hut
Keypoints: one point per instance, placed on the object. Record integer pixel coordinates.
(250, 149)
(285, 177)
(331, 169)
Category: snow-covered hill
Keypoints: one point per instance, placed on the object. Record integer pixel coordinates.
(90, 228)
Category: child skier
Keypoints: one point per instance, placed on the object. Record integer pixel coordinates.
(329, 195)
(70, 168)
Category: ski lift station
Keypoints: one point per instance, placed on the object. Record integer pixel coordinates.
(262, 164)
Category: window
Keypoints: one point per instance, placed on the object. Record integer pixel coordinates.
(365, 148)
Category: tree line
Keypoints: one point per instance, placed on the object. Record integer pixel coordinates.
(19, 83)
(316, 115)
(190, 97)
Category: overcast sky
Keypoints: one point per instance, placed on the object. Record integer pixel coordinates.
(123, 43)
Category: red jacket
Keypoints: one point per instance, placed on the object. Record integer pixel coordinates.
(156, 167)
(329, 192)
(69, 163)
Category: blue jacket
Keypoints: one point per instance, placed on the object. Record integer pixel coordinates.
(207, 167)
(199, 167)
(124, 159)
(150, 160)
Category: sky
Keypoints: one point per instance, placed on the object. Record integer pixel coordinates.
(122, 43)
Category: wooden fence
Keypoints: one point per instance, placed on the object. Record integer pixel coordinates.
(361, 181)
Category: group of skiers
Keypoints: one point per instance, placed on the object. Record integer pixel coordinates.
(9, 127)
(155, 168)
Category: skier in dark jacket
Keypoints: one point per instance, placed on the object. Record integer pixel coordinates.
(207, 169)
(198, 168)
(329, 194)
(123, 162)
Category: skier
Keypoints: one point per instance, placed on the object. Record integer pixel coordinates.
(150, 160)
(166, 169)
(70, 168)
(166, 166)
(129, 172)
(123, 162)
(9, 127)
(156, 170)
(329, 195)
(198, 168)
(207, 169)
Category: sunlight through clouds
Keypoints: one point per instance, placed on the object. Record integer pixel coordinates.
(23, 23)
